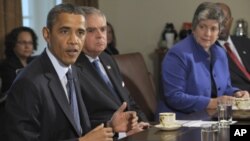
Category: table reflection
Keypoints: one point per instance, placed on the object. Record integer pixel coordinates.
(168, 135)
(186, 133)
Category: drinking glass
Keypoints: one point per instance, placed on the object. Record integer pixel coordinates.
(209, 132)
(225, 111)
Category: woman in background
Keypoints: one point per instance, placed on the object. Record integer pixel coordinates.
(111, 41)
(19, 46)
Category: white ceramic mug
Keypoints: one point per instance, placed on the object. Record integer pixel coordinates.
(242, 103)
(167, 118)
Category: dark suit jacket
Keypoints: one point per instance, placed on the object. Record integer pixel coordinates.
(37, 108)
(238, 79)
(9, 69)
(100, 103)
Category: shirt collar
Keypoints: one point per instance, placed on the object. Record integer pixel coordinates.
(222, 42)
(91, 59)
(60, 68)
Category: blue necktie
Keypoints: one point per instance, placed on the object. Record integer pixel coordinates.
(96, 64)
(73, 99)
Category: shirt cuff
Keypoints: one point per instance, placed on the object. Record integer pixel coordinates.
(122, 135)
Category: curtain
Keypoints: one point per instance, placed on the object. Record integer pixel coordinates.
(10, 17)
(93, 3)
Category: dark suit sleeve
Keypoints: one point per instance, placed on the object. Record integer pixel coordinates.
(25, 113)
(134, 107)
(23, 110)
(8, 75)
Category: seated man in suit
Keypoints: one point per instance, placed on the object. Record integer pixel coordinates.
(44, 102)
(101, 83)
(240, 46)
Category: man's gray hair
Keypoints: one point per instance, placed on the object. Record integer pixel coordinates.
(92, 10)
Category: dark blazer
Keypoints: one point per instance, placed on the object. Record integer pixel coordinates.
(9, 69)
(37, 107)
(111, 50)
(239, 80)
(100, 103)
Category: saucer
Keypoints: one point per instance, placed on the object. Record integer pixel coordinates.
(168, 128)
(235, 108)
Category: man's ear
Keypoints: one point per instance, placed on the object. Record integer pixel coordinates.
(46, 34)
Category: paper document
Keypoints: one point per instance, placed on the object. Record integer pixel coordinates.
(196, 123)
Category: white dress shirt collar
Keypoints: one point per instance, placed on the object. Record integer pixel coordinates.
(91, 59)
(60, 68)
(232, 47)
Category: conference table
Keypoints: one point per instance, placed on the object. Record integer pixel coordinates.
(189, 133)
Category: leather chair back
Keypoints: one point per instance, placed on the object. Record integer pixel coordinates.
(139, 81)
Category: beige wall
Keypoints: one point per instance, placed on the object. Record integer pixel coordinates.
(138, 23)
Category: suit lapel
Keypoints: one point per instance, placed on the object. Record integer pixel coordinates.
(85, 123)
(110, 70)
(233, 67)
(57, 91)
(240, 47)
(88, 68)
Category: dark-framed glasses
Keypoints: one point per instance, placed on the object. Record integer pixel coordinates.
(25, 42)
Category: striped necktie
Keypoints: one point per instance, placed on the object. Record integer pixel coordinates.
(72, 99)
(236, 60)
(96, 63)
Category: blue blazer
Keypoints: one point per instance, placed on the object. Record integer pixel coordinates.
(186, 77)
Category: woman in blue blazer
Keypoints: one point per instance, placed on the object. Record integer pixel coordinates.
(195, 70)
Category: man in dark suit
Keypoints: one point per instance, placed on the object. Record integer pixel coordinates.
(240, 46)
(102, 96)
(44, 102)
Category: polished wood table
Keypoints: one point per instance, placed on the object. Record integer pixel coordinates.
(184, 133)
(154, 134)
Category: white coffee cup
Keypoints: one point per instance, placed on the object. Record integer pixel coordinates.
(242, 103)
(167, 119)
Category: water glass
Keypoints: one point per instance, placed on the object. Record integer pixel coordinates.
(209, 132)
(225, 111)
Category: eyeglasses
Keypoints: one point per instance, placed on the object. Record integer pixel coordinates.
(25, 42)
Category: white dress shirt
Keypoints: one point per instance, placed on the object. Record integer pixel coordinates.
(232, 47)
(61, 70)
